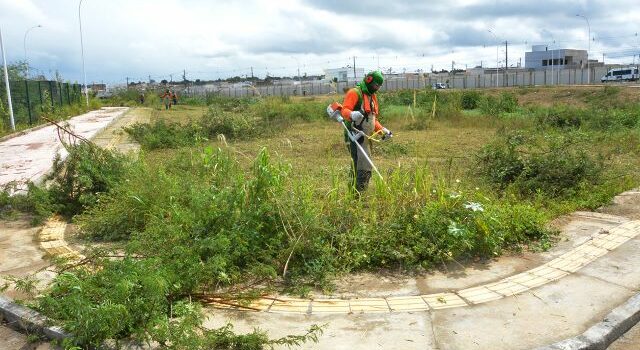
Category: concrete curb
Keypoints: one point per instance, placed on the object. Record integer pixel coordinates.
(29, 321)
(601, 335)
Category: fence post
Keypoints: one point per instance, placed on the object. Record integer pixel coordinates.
(68, 95)
(26, 87)
(60, 93)
(40, 91)
(51, 93)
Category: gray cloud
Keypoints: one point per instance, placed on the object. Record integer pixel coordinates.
(140, 38)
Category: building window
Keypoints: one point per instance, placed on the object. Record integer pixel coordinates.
(544, 63)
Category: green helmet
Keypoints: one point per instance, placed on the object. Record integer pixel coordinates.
(372, 82)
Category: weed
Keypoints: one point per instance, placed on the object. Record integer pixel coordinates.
(470, 99)
(555, 165)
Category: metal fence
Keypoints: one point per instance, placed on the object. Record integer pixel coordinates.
(456, 81)
(33, 98)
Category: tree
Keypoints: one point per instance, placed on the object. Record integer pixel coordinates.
(17, 71)
(58, 76)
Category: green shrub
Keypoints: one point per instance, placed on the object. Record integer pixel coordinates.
(500, 162)
(161, 134)
(470, 99)
(233, 125)
(555, 165)
(136, 300)
(560, 117)
(613, 118)
(87, 172)
(507, 102)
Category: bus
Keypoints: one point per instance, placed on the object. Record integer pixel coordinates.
(621, 74)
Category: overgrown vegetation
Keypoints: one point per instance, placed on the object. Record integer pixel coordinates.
(555, 165)
(198, 215)
(235, 119)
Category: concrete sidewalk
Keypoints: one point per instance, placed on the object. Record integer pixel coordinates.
(28, 157)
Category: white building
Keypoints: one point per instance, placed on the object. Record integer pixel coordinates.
(541, 57)
(344, 74)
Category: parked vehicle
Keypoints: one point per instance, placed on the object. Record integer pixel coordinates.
(621, 74)
(435, 86)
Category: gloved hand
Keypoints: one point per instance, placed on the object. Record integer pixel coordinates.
(334, 114)
(386, 134)
(356, 117)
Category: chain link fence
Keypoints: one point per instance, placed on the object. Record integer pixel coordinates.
(32, 99)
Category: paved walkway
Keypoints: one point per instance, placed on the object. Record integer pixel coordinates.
(28, 157)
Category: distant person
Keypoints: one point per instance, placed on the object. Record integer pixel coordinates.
(174, 97)
(141, 98)
(166, 98)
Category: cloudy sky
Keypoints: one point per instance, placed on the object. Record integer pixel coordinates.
(211, 39)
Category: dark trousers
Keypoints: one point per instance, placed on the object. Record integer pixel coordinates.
(359, 178)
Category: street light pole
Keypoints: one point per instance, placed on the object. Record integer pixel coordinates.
(299, 78)
(588, 47)
(553, 41)
(497, 76)
(6, 83)
(26, 61)
(84, 75)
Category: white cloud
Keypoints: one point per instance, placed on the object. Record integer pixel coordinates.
(210, 39)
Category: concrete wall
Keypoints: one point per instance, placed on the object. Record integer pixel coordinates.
(461, 81)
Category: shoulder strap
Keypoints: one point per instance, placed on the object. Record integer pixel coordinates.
(359, 93)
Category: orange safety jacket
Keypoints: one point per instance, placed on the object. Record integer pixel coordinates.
(369, 104)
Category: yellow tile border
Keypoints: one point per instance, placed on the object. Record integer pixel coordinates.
(51, 238)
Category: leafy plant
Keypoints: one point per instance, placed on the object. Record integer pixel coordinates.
(470, 99)
(87, 172)
(554, 165)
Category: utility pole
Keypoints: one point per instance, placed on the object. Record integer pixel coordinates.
(354, 69)
(127, 82)
(506, 56)
(588, 47)
(184, 75)
(497, 42)
(171, 78)
(25, 47)
(149, 78)
(252, 73)
(84, 74)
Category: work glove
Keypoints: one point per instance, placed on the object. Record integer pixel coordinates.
(356, 117)
(334, 114)
(386, 134)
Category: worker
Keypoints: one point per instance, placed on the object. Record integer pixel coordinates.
(360, 112)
